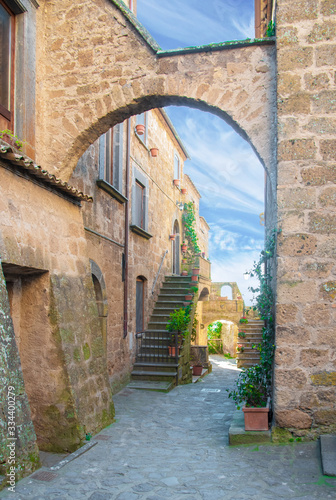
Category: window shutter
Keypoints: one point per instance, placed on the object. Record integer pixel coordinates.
(117, 156)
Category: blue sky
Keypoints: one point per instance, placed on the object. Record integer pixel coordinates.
(223, 166)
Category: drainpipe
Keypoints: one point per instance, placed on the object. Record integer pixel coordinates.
(128, 160)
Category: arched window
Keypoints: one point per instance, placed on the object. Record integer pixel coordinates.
(226, 292)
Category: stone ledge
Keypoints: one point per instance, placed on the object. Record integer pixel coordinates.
(238, 435)
(328, 454)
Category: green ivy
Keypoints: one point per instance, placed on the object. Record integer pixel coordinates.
(189, 221)
(254, 384)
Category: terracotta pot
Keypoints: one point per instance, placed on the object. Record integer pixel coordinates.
(184, 273)
(256, 419)
(184, 190)
(184, 261)
(194, 278)
(154, 152)
(184, 248)
(172, 350)
(172, 237)
(197, 370)
(176, 182)
(196, 271)
(188, 297)
(140, 129)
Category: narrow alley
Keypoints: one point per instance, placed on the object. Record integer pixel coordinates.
(175, 446)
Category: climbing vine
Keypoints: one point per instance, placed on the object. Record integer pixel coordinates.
(189, 221)
(254, 385)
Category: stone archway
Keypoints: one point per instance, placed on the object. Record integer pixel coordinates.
(119, 71)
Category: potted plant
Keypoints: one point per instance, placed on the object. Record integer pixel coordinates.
(184, 247)
(252, 390)
(195, 271)
(243, 320)
(140, 129)
(184, 273)
(241, 335)
(196, 363)
(154, 152)
(184, 190)
(11, 139)
(194, 278)
(178, 324)
(176, 182)
(172, 237)
(240, 348)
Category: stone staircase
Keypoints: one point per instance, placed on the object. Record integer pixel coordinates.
(154, 369)
(251, 355)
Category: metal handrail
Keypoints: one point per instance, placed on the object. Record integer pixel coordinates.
(157, 275)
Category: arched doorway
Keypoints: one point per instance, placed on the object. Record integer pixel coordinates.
(101, 299)
(140, 304)
(176, 248)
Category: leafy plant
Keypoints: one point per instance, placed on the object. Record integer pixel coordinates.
(189, 221)
(251, 388)
(254, 384)
(18, 144)
(240, 348)
(193, 289)
(242, 335)
(270, 29)
(243, 320)
(179, 322)
(214, 333)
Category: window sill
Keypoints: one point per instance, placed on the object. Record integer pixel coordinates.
(105, 186)
(141, 232)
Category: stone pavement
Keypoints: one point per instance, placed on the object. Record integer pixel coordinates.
(175, 446)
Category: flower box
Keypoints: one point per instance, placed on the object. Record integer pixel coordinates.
(256, 419)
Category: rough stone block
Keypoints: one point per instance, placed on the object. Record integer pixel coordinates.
(328, 7)
(300, 10)
(297, 149)
(289, 83)
(293, 419)
(287, 36)
(321, 126)
(328, 149)
(296, 198)
(328, 290)
(316, 314)
(292, 379)
(319, 175)
(297, 244)
(321, 32)
(314, 357)
(324, 378)
(325, 417)
(286, 313)
(328, 197)
(295, 59)
(315, 82)
(322, 223)
(295, 104)
(324, 102)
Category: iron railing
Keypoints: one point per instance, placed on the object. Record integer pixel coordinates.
(157, 347)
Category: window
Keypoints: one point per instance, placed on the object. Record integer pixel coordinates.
(140, 303)
(176, 167)
(7, 20)
(111, 162)
(140, 204)
(143, 120)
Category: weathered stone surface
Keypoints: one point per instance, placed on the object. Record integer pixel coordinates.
(298, 103)
(319, 175)
(324, 102)
(317, 81)
(324, 378)
(325, 417)
(322, 223)
(321, 126)
(294, 419)
(285, 356)
(297, 244)
(286, 313)
(328, 197)
(291, 198)
(297, 149)
(314, 357)
(289, 83)
(287, 36)
(321, 32)
(293, 379)
(316, 314)
(291, 59)
(328, 7)
(328, 149)
(328, 290)
(301, 10)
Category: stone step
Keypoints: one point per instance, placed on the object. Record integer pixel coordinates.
(151, 385)
(154, 366)
(152, 374)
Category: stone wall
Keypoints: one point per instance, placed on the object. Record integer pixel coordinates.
(45, 263)
(305, 375)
